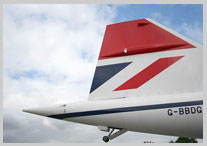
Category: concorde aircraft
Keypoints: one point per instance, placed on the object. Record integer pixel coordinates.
(148, 79)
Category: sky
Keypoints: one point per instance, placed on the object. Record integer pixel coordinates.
(49, 57)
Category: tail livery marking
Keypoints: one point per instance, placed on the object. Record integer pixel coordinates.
(139, 36)
(148, 73)
(104, 73)
(137, 41)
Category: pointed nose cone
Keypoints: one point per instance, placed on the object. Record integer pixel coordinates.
(37, 111)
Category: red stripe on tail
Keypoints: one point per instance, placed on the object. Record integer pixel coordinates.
(148, 73)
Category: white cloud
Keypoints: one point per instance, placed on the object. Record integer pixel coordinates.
(50, 43)
(157, 16)
(61, 44)
(193, 31)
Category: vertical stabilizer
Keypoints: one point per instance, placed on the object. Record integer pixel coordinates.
(143, 58)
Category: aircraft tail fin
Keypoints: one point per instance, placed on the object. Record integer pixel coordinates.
(144, 58)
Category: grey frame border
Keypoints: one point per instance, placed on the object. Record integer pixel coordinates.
(204, 2)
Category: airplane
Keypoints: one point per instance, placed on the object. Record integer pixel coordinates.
(148, 79)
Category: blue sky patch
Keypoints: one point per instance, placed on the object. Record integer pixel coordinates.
(31, 74)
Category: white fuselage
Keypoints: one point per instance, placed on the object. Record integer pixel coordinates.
(177, 115)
